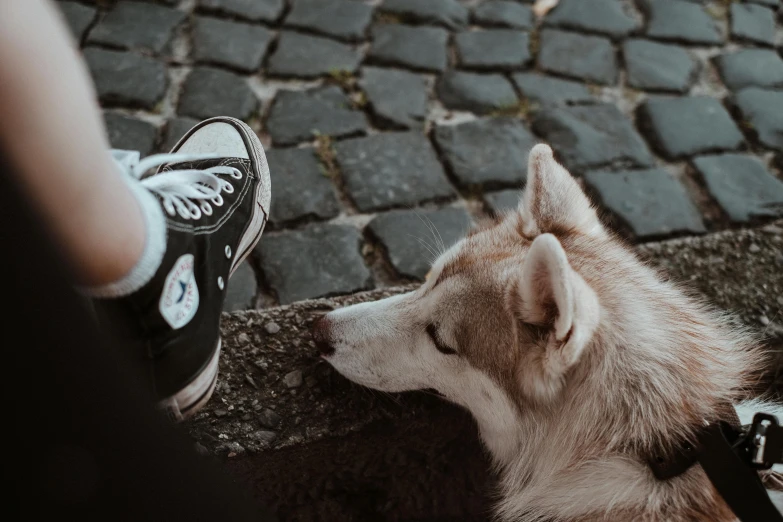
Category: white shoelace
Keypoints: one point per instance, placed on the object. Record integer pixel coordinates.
(178, 189)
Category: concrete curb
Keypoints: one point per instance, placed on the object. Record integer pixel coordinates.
(269, 361)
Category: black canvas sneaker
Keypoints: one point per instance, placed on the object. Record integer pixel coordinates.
(214, 191)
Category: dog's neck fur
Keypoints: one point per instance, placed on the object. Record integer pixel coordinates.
(657, 369)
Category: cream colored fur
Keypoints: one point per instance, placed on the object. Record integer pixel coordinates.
(575, 358)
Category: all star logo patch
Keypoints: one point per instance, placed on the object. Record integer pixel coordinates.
(179, 301)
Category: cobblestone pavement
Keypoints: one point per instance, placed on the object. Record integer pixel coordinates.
(387, 120)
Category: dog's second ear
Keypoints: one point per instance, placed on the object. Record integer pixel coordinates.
(552, 200)
(551, 294)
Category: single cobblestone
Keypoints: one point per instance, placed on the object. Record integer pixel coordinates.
(760, 111)
(592, 136)
(233, 44)
(293, 379)
(682, 127)
(212, 92)
(503, 201)
(264, 437)
(175, 129)
(486, 152)
(753, 23)
(391, 169)
(679, 21)
(317, 261)
(503, 13)
(272, 328)
(254, 10)
(126, 78)
(304, 56)
(397, 98)
(493, 49)
(337, 18)
(448, 13)
(233, 448)
(605, 17)
(742, 186)
(751, 68)
(480, 93)
(137, 25)
(660, 67)
(241, 289)
(413, 237)
(79, 17)
(130, 133)
(298, 116)
(589, 58)
(546, 90)
(650, 202)
(301, 188)
(269, 419)
(420, 48)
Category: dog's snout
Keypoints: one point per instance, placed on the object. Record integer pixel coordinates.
(322, 336)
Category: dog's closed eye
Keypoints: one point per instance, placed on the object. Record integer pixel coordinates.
(442, 347)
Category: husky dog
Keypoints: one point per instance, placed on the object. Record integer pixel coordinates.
(576, 359)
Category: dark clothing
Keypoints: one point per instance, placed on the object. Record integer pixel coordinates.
(83, 439)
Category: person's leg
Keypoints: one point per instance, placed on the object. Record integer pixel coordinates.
(156, 252)
(84, 443)
(52, 129)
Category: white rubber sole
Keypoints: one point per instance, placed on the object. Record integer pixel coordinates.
(197, 393)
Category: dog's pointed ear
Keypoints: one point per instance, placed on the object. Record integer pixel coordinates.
(551, 294)
(552, 200)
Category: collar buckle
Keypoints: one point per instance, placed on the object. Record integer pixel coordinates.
(763, 441)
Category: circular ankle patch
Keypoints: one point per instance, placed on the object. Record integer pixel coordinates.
(179, 301)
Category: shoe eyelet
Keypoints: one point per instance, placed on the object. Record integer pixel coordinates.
(228, 188)
(195, 212)
(217, 200)
(206, 209)
(236, 174)
(228, 252)
(220, 282)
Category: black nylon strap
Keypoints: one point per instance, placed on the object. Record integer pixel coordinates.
(738, 484)
(775, 445)
(771, 451)
(667, 464)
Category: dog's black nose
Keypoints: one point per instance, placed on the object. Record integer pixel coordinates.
(321, 336)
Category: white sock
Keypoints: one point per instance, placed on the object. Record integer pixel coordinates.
(154, 247)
